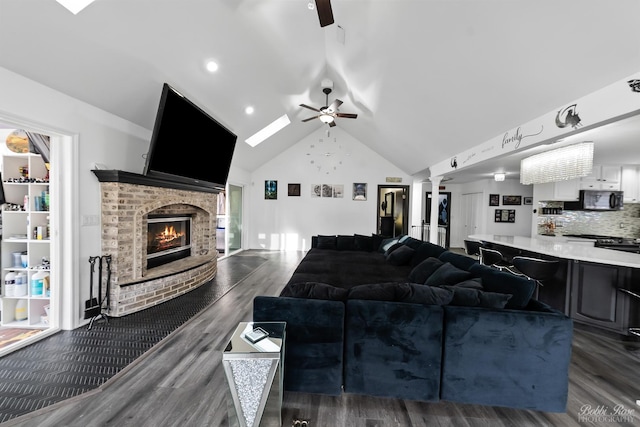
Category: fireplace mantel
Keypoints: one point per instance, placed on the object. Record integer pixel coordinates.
(113, 175)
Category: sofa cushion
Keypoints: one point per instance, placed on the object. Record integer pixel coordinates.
(386, 244)
(374, 291)
(363, 243)
(447, 274)
(327, 242)
(494, 280)
(458, 260)
(424, 251)
(424, 270)
(392, 248)
(470, 297)
(413, 243)
(400, 256)
(423, 294)
(314, 290)
(345, 243)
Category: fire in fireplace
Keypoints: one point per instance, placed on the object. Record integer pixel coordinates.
(168, 239)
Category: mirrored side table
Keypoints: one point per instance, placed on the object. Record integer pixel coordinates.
(255, 373)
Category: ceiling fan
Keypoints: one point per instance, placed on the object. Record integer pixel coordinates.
(325, 14)
(329, 113)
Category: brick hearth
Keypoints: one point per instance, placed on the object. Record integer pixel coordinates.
(125, 208)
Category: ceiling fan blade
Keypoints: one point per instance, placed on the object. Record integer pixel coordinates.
(310, 118)
(325, 14)
(332, 124)
(310, 108)
(335, 105)
(347, 115)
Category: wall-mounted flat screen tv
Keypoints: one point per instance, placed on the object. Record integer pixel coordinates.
(188, 145)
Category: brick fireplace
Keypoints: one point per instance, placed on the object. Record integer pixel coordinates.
(128, 200)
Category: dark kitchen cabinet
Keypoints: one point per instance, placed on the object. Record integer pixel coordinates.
(596, 297)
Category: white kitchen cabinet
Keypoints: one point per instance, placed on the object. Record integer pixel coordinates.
(25, 221)
(568, 190)
(602, 177)
(630, 183)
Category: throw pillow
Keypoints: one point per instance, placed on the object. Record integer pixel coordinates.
(497, 281)
(470, 297)
(314, 290)
(374, 291)
(429, 295)
(424, 251)
(392, 248)
(363, 243)
(448, 274)
(386, 244)
(327, 242)
(376, 241)
(422, 271)
(401, 256)
(345, 243)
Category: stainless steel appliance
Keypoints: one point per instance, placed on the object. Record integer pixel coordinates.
(619, 244)
(601, 200)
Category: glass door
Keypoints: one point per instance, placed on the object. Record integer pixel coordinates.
(234, 219)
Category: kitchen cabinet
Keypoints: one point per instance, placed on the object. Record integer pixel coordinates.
(602, 177)
(630, 183)
(568, 190)
(596, 296)
(26, 290)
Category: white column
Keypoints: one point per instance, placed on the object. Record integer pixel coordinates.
(435, 193)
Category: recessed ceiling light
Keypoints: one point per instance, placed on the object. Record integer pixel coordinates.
(267, 131)
(212, 66)
(249, 110)
(75, 6)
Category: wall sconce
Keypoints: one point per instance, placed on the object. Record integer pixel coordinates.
(572, 161)
(499, 176)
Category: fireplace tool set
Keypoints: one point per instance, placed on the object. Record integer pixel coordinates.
(94, 306)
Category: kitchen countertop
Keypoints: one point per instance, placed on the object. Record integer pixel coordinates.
(564, 247)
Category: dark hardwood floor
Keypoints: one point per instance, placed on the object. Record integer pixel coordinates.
(180, 382)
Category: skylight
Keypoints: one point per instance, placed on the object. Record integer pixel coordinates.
(269, 130)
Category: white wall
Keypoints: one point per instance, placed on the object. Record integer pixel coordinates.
(289, 222)
(93, 136)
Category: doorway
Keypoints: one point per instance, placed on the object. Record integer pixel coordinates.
(444, 217)
(393, 210)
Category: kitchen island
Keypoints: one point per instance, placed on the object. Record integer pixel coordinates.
(595, 286)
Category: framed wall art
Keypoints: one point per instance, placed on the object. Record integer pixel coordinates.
(359, 191)
(511, 200)
(494, 200)
(294, 190)
(270, 189)
(528, 200)
(505, 215)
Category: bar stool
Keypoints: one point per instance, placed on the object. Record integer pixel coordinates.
(472, 248)
(536, 269)
(494, 258)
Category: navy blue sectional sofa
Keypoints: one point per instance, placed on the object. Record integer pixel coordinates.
(403, 318)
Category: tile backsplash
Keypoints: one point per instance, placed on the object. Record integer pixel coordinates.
(623, 223)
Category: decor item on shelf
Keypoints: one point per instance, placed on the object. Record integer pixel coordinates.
(494, 200)
(18, 141)
(499, 176)
(511, 200)
(572, 161)
(21, 310)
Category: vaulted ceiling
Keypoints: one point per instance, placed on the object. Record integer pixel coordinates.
(427, 78)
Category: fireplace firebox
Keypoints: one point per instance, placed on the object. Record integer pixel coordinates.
(168, 239)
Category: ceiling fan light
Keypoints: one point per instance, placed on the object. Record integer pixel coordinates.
(326, 118)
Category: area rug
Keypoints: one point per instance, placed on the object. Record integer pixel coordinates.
(11, 335)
